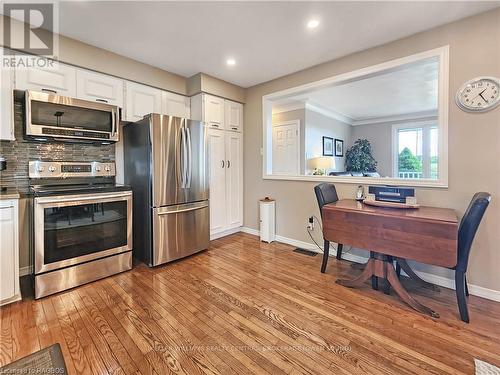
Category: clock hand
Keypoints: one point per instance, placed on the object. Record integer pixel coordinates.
(481, 94)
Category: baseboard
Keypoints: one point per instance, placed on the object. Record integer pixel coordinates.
(444, 282)
(23, 271)
(225, 233)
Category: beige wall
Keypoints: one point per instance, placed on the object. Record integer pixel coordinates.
(204, 83)
(474, 140)
(380, 136)
(319, 126)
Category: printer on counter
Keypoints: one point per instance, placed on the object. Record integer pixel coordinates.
(393, 194)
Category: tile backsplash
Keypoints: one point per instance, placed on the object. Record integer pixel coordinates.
(19, 152)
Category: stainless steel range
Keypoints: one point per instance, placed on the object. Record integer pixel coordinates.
(82, 224)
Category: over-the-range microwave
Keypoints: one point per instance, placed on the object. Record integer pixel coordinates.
(62, 118)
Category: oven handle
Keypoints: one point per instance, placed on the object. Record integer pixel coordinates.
(80, 199)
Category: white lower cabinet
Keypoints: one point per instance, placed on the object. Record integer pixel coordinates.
(9, 251)
(226, 180)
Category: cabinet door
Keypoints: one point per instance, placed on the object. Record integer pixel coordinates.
(99, 87)
(175, 104)
(233, 117)
(234, 179)
(60, 80)
(217, 165)
(140, 101)
(213, 111)
(8, 256)
(7, 104)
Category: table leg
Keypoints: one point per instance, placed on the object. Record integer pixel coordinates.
(412, 275)
(381, 266)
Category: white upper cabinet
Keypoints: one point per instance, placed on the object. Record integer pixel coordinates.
(140, 101)
(175, 105)
(60, 80)
(213, 111)
(99, 87)
(7, 104)
(233, 115)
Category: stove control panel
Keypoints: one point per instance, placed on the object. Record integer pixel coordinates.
(61, 169)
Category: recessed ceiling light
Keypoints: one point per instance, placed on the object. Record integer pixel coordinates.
(231, 62)
(312, 24)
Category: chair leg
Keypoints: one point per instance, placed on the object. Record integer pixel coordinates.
(339, 251)
(326, 254)
(461, 298)
(398, 269)
(466, 286)
(374, 282)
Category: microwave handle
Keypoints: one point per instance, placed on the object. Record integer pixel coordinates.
(113, 123)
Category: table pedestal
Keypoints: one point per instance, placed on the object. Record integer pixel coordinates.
(381, 265)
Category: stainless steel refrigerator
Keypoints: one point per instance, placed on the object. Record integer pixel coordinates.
(165, 160)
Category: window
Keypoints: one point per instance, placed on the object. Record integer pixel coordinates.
(415, 151)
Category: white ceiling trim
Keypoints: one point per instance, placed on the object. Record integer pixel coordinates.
(288, 107)
(331, 113)
(407, 117)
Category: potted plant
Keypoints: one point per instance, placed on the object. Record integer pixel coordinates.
(359, 158)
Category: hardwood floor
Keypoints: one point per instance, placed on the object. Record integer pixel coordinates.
(247, 307)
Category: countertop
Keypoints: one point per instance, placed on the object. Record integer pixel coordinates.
(10, 193)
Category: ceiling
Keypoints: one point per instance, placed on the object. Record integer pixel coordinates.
(411, 90)
(267, 39)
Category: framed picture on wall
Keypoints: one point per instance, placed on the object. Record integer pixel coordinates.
(339, 147)
(327, 146)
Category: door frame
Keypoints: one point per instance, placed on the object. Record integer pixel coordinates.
(295, 122)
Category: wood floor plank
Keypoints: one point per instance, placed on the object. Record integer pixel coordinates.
(246, 307)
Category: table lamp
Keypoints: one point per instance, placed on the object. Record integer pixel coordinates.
(321, 164)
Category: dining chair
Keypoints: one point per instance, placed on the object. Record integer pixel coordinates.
(466, 233)
(326, 193)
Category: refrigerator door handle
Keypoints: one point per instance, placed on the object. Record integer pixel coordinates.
(183, 158)
(189, 166)
(182, 210)
(178, 159)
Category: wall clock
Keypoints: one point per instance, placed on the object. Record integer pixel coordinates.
(479, 94)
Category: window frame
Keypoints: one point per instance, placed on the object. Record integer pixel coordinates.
(441, 53)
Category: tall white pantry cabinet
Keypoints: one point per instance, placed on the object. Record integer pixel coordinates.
(224, 120)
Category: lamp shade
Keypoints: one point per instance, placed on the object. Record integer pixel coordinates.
(322, 162)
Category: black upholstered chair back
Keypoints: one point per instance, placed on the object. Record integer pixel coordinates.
(468, 227)
(325, 193)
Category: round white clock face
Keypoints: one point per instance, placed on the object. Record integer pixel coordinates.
(479, 94)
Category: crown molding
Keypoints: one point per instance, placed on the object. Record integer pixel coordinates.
(407, 117)
(288, 107)
(328, 112)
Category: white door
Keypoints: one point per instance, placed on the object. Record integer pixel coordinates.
(99, 87)
(234, 179)
(140, 101)
(214, 111)
(286, 148)
(233, 117)
(8, 255)
(217, 165)
(60, 80)
(7, 104)
(175, 104)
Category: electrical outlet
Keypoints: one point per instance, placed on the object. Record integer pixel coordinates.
(310, 224)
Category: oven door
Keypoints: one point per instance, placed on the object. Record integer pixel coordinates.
(74, 229)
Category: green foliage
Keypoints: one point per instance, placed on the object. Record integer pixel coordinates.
(359, 157)
(409, 162)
